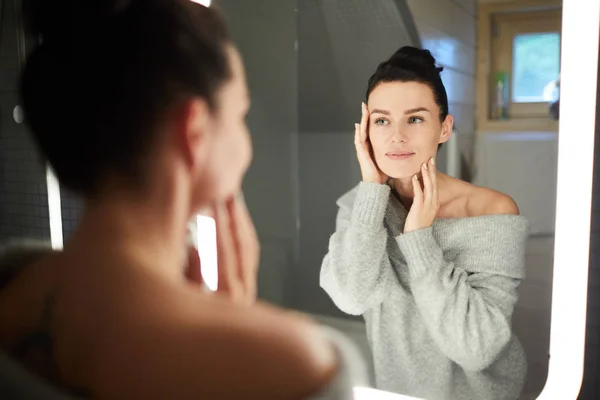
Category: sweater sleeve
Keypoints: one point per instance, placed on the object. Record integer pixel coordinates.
(356, 272)
(467, 314)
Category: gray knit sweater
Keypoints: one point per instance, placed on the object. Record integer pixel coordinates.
(437, 302)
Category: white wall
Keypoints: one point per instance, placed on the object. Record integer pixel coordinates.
(265, 32)
(328, 168)
(447, 29)
(524, 166)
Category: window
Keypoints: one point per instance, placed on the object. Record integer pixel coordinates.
(536, 65)
(526, 46)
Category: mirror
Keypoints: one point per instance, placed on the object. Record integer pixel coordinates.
(325, 53)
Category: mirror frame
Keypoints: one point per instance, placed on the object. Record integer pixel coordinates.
(577, 129)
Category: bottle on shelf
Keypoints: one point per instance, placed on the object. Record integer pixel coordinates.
(501, 96)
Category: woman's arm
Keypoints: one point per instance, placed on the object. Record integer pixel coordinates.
(468, 315)
(356, 271)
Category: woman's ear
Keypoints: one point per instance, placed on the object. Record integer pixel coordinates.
(193, 130)
(447, 126)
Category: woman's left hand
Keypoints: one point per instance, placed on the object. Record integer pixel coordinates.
(425, 204)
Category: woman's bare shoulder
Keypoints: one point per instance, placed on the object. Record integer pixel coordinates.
(480, 201)
(484, 201)
(177, 342)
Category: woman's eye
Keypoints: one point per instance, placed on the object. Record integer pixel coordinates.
(415, 120)
(380, 121)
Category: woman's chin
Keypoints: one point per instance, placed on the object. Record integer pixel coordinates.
(400, 174)
(399, 170)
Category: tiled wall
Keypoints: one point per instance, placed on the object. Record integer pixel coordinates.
(447, 29)
(71, 207)
(23, 192)
(23, 199)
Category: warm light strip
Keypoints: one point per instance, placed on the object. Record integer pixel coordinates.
(54, 211)
(207, 248)
(205, 3)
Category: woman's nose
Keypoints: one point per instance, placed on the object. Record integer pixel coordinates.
(399, 136)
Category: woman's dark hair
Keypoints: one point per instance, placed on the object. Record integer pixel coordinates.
(97, 87)
(410, 64)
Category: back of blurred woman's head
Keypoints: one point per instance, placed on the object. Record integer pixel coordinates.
(114, 85)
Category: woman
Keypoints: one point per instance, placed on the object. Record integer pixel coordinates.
(431, 262)
(140, 107)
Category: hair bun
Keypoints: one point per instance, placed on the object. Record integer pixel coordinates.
(414, 55)
(59, 19)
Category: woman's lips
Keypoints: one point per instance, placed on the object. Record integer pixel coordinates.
(399, 155)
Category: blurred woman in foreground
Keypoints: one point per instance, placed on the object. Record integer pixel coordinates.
(156, 100)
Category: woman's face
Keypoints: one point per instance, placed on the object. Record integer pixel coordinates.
(404, 127)
(227, 150)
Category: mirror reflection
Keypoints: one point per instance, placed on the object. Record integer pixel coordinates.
(402, 185)
(468, 293)
(431, 262)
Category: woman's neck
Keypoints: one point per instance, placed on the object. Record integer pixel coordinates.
(148, 228)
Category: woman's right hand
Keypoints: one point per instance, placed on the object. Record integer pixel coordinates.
(238, 251)
(364, 151)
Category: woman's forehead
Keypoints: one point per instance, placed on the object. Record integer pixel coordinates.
(402, 96)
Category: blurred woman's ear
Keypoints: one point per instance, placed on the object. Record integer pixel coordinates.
(193, 129)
